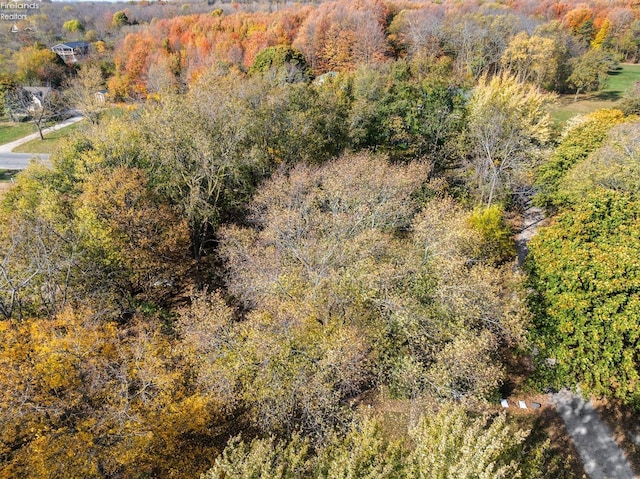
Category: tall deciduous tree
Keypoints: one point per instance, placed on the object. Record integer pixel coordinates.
(207, 150)
(347, 286)
(589, 71)
(38, 105)
(283, 64)
(39, 66)
(451, 443)
(340, 36)
(82, 93)
(508, 126)
(83, 396)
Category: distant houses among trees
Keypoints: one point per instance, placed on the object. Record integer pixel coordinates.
(71, 52)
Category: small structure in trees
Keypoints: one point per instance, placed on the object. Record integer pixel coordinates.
(101, 96)
(35, 96)
(35, 104)
(71, 52)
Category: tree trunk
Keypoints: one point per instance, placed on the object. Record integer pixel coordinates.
(40, 131)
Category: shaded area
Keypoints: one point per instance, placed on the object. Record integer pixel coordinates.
(600, 454)
(609, 95)
(532, 218)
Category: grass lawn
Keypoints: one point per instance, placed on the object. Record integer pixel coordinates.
(620, 81)
(51, 140)
(10, 131)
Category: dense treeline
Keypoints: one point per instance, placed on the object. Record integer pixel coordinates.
(150, 47)
(558, 46)
(219, 279)
(583, 265)
(341, 274)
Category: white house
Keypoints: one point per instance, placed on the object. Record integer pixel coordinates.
(71, 52)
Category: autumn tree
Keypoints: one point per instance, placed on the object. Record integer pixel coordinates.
(38, 105)
(38, 65)
(451, 443)
(81, 92)
(581, 137)
(613, 166)
(589, 72)
(410, 115)
(420, 31)
(73, 26)
(340, 36)
(565, 47)
(535, 59)
(139, 243)
(120, 19)
(7, 86)
(629, 44)
(206, 155)
(339, 301)
(586, 300)
(84, 396)
(282, 63)
(580, 22)
(508, 125)
(477, 41)
(34, 273)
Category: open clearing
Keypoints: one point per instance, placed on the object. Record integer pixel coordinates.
(620, 81)
(10, 131)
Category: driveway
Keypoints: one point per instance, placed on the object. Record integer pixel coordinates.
(8, 147)
(600, 454)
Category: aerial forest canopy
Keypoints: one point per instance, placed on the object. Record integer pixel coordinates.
(285, 247)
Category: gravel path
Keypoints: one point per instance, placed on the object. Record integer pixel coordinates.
(532, 218)
(600, 454)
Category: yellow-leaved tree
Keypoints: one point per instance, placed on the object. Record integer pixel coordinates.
(509, 126)
(82, 396)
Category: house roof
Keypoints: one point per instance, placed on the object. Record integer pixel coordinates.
(72, 45)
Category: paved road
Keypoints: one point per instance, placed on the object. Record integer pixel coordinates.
(601, 456)
(19, 161)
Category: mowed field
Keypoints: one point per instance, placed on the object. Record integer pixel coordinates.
(51, 140)
(10, 131)
(620, 81)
